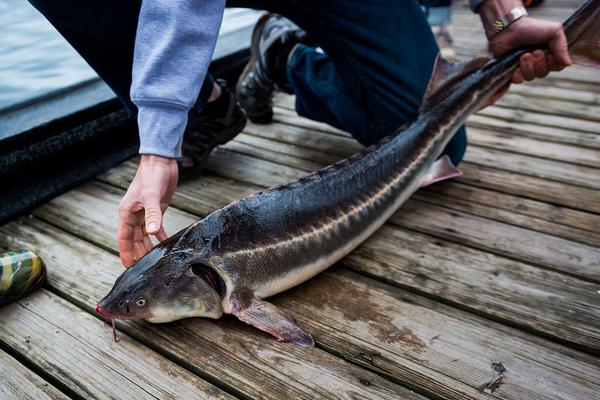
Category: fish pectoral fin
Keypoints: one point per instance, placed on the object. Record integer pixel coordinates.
(269, 318)
(441, 170)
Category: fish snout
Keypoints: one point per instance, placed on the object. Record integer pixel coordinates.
(120, 310)
(101, 311)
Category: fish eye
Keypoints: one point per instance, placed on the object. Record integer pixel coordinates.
(141, 302)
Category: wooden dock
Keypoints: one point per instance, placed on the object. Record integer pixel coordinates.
(484, 287)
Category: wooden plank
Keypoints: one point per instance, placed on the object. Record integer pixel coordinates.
(541, 89)
(77, 351)
(551, 192)
(487, 212)
(19, 383)
(244, 360)
(512, 210)
(543, 133)
(589, 88)
(508, 141)
(443, 350)
(455, 271)
(494, 139)
(543, 106)
(516, 115)
(557, 171)
(551, 252)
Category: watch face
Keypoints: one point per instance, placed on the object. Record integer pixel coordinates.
(518, 12)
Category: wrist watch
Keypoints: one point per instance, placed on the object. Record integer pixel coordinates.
(503, 22)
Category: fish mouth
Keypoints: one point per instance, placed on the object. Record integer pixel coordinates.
(112, 318)
(105, 314)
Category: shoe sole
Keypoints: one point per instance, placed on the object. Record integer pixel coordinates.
(267, 116)
(223, 138)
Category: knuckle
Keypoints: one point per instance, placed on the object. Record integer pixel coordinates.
(123, 205)
(152, 213)
(151, 194)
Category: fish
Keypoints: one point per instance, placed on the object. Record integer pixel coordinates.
(271, 241)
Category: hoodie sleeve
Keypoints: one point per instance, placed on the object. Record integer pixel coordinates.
(174, 44)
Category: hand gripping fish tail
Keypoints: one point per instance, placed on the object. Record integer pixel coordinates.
(268, 242)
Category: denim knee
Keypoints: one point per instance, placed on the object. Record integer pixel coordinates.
(457, 146)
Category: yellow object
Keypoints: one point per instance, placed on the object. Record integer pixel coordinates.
(21, 272)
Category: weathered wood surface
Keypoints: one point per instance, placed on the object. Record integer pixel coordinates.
(544, 133)
(19, 383)
(481, 269)
(80, 353)
(520, 144)
(395, 358)
(516, 296)
(239, 358)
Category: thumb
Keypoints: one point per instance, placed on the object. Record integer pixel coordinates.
(153, 215)
(559, 48)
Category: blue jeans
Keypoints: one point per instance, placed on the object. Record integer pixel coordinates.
(368, 79)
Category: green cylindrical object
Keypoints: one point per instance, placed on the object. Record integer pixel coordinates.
(21, 272)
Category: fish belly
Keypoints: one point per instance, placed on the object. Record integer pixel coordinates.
(361, 222)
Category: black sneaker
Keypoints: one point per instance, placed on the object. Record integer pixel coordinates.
(272, 40)
(219, 122)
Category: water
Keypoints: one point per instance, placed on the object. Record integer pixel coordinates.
(34, 57)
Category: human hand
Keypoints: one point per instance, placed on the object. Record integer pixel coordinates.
(525, 31)
(141, 209)
(531, 31)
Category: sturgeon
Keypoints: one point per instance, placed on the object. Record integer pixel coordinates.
(265, 243)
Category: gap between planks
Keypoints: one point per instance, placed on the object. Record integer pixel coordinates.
(18, 382)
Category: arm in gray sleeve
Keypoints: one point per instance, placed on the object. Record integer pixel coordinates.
(173, 48)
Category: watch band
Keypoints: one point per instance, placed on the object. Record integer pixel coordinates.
(503, 22)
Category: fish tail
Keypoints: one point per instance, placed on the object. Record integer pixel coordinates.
(583, 34)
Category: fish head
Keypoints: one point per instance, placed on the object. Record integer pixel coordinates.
(167, 284)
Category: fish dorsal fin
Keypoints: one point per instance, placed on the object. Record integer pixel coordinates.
(445, 76)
